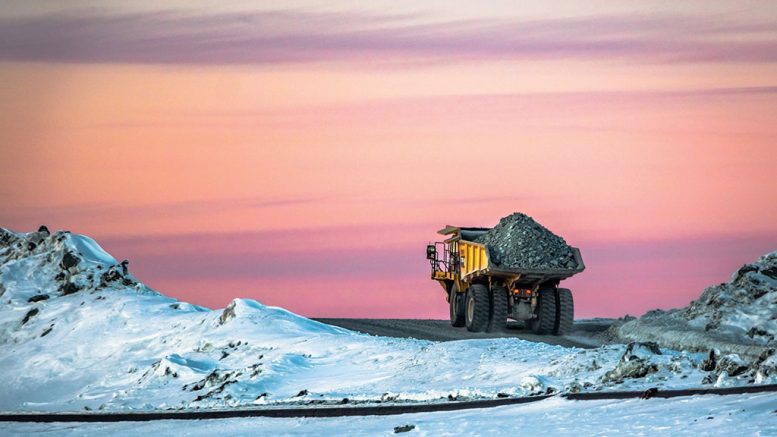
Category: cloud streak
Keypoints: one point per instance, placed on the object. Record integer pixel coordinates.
(174, 37)
(20, 216)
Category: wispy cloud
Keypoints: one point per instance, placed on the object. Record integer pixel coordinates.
(359, 251)
(294, 36)
(17, 216)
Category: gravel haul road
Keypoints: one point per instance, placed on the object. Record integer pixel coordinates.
(441, 330)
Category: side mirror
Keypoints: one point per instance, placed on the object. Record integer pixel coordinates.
(431, 252)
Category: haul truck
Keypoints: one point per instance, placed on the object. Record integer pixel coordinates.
(482, 295)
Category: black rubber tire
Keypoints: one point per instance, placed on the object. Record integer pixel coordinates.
(497, 320)
(545, 323)
(457, 305)
(477, 308)
(566, 311)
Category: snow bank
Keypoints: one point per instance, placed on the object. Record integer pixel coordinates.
(78, 331)
(90, 250)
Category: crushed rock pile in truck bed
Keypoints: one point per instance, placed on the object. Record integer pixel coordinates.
(520, 242)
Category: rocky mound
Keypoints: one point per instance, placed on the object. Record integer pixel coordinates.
(746, 306)
(519, 242)
(736, 317)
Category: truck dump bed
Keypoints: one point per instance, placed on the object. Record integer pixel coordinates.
(541, 274)
(474, 259)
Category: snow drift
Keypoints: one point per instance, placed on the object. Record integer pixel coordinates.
(78, 331)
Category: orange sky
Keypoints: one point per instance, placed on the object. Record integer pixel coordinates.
(213, 170)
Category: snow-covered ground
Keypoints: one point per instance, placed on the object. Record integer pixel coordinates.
(78, 331)
(711, 415)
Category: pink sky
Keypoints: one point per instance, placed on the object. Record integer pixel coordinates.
(304, 156)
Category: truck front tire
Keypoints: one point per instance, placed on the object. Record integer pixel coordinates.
(477, 308)
(457, 307)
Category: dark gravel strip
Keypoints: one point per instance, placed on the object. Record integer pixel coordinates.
(441, 330)
(381, 410)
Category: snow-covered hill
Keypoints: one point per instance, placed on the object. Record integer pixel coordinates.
(78, 331)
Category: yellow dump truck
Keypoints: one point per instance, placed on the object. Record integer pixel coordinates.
(482, 296)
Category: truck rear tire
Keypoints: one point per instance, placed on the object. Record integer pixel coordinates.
(497, 322)
(457, 307)
(545, 323)
(477, 308)
(566, 311)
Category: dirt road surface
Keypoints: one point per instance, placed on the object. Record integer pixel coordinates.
(583, 334)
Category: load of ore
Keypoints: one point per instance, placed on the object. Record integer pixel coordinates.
(518, 242)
